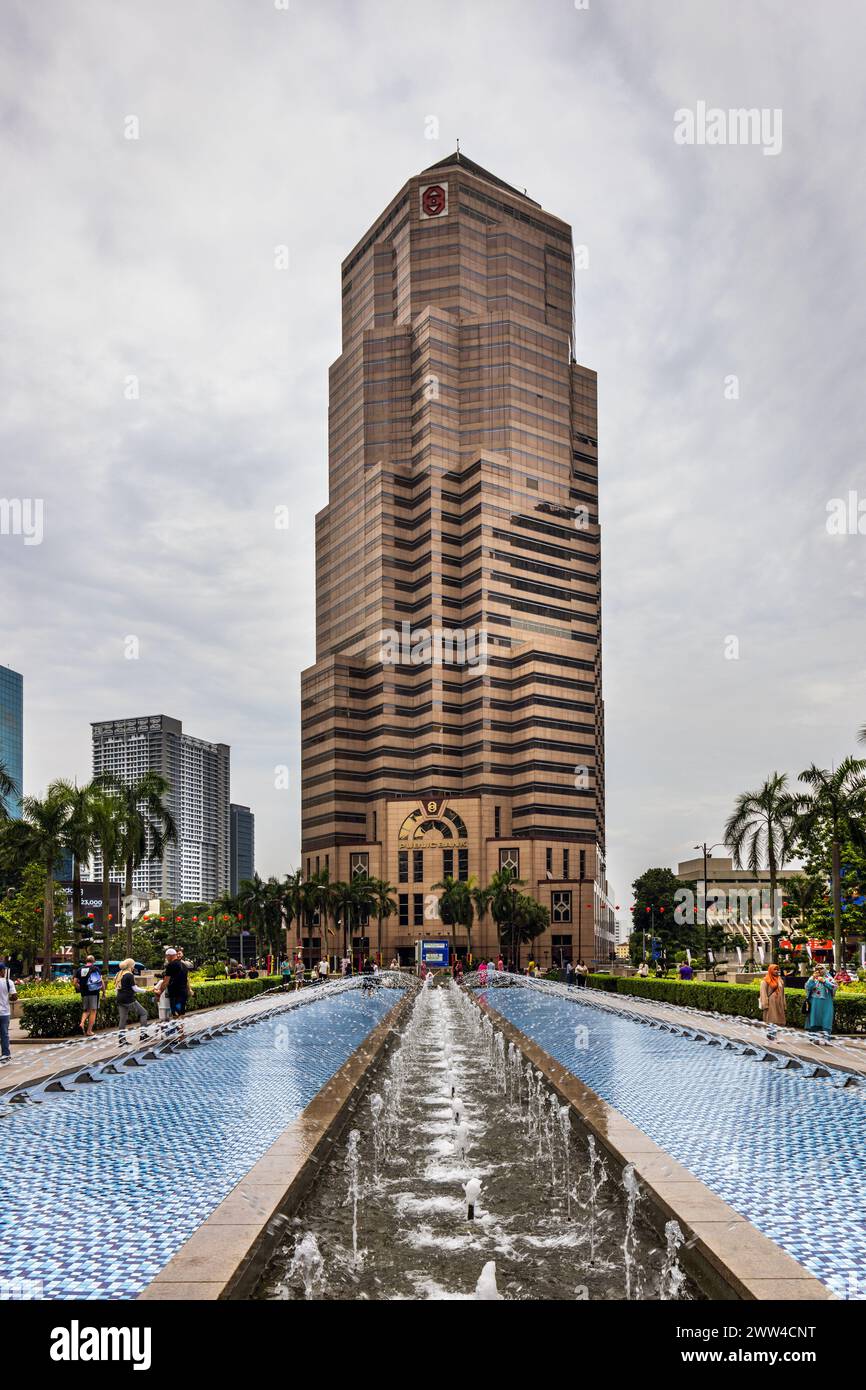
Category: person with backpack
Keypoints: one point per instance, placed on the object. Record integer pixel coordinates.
(126, 990)
(89, 983)
(8, 995)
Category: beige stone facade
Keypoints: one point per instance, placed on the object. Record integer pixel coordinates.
(454, 714)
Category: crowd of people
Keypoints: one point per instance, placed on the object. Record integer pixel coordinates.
(172, 992)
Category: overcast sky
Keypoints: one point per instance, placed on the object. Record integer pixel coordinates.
(154, 258)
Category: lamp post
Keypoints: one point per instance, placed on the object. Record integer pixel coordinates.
(707, 850)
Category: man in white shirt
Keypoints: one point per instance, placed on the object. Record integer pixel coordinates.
(324, 968)
(8, 995)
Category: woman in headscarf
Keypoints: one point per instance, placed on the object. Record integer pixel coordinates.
(820, 989)
(772, 1000)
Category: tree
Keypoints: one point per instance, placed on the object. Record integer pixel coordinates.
(295, 903)
(657, 896)
(108, 819)
(384, 905)
(481, 898)
(253, 898)
(8, 791)
(835, 805)
(148, 828)
(46, 822)
(78, 840)
(21, 918)
(503, 894)
(760, 831)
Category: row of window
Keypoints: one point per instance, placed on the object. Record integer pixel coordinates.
(417, 864)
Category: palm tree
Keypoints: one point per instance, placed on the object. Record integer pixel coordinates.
(761, 831)
(8, 791)
(384, 905)
(503, 893)
(481, 898)
(108, 820)
(836, 804)
(294, 902)
(449, 905)
(46, 824)
(78, 840)
(346, 905)
(150, 827)
(253, 900)
(316, 902)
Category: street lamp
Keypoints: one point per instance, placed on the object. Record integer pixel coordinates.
(707, 849)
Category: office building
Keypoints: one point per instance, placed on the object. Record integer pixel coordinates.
(196, 869)
(242, 840)
(453, 722)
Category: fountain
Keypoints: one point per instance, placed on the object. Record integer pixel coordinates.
(486, 1286)
(472, 1189)
(632, 1191)
(308, 1263)
(424, 1229)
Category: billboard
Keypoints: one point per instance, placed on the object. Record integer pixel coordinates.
(91, 900)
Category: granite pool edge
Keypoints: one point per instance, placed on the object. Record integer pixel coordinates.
(226, 1255)
(724, 1252)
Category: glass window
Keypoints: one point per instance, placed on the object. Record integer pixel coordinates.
(403, 866)
(510, 859)
(447, 863)
(417, 865)
(463, 865)
(560, 905)
(403, 905)
(417, 909)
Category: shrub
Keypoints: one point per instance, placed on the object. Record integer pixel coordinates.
(58, 1016)
(739, 1000)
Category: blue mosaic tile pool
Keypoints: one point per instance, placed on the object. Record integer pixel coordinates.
(104, 1184)
(785, 1151)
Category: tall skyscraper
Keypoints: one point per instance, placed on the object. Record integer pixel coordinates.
(196, 869)
(453, 721)
(12, 733)
(242, 845)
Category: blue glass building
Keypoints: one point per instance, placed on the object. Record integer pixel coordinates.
(12, 731)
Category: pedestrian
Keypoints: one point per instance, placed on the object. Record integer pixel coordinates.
(686, 971)
(482, 974)
(581, 973)
(491, 966)
(569, 973)
(8, 995)
(175, 985)
(299, 973)
(163, 1008)
(324, 970)
(89, 983)
(772, 1000)
(125, 991)
(500, 964)
(395, 963)
(643, 970)
(345, 966)
(820, 991)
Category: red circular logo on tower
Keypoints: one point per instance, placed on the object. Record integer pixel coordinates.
(433, 200)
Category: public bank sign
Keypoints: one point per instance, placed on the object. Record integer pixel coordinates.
(434, 953)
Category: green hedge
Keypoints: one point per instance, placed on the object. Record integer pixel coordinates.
(58, 1016)
(742, 1000)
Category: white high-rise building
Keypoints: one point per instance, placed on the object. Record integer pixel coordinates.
(196, 869)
